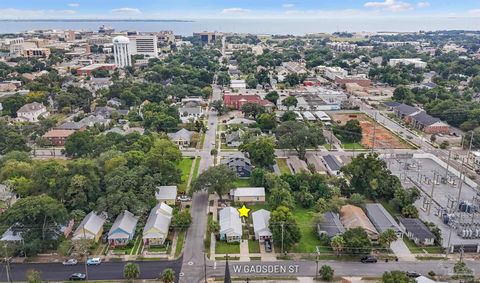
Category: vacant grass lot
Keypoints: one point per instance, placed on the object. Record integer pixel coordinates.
(253, 247)
(283, 166)
(244, 182)
(222, 247)
(185, 166)
(352, 146)
(308, 243)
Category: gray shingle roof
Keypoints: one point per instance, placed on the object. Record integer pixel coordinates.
(332, 162)
(381, 219)
(159, 218)
(92, 222)
(405, 109)
(230, 223)
(182, 134)
(166, 192)
(417, 228)
(425, 119)
(261, 220)
(125, 222)
(331, 224)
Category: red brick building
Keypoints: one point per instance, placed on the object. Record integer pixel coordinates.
(87, 70)
(363, 82)
(236, 101)
(58, 137)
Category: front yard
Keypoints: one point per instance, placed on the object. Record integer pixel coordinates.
(243, 182)
(180, 241)
(253, 247)
(222, 247)
(414, 249)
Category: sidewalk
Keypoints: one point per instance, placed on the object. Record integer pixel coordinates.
(244, 253)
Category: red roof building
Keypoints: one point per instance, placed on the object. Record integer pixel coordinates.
(236, 101)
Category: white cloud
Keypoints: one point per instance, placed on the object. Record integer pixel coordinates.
(12, 13)
(74, 4)
(389, 5)
(423, 4)
(474, 12)
(235, 11)
(127, 10)
(288, 5)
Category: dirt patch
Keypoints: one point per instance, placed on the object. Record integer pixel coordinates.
(383, 137)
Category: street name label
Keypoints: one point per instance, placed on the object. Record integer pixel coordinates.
(266, 269)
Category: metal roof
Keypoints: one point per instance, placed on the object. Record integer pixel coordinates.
(381, 219)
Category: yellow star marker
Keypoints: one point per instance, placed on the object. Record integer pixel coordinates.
(243, 211)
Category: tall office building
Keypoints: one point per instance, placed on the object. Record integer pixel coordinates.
(121, 51)
(144, 45)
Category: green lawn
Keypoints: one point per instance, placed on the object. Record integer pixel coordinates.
(327, 146)
(253, 247)
(244, 182)
(222, 247)
(283, 166)
(180, 240)
(138, 245)
(414, 249)
(195, 169)
(352, 146)
(185, 166)
(309, 241)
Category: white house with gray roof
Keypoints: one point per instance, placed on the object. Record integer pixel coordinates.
(251, 194)
(31, 112)
(123, 229)
(230, 224)
(261, 222)
(182, 138)
(158, 223)
(167, 194)
(91, 227)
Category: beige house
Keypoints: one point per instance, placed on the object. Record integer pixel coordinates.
(254, 194)
(353, 217)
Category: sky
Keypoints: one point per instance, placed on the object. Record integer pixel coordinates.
(234, 9)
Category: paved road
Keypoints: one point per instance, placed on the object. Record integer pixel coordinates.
(193, 255)
(308, 268)
(105, 271)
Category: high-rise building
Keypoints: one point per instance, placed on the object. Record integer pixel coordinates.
(144, 45)
(121, 51)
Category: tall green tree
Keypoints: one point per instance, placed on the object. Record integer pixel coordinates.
(387, 237)
(283, 223)
(261, 151)
(252, 109)
(290, 101)
(396, 277)
(356, 241)
(299, 136)
(272, 96)
(338, 244)
(218, 179)
(326, 272)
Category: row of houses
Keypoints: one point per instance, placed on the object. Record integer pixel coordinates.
(231, 225)
(418, 118)
(376, 220)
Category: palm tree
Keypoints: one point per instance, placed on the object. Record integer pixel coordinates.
(131, 271)
(337, 243)
(387, 237)
(168, 275)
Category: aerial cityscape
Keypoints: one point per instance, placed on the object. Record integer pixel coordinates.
(203, 142)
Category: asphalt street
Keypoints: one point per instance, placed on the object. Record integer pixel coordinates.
(104, 271)
(193, 254)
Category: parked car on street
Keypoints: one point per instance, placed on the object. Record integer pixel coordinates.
(413, 274)
(368, 259)
(70, 261)
(94, 261)
(77, 277)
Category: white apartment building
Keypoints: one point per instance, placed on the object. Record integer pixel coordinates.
(332, 72)
(144, 45)
(417, 62)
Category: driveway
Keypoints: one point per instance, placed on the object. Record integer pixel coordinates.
(401, 251)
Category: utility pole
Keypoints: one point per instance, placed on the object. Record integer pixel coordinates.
(282, 224)
(374, 132)
(431, 193)
(448, 163)
(316, 270)
(461, 179)
(7, 264)
(205, 267)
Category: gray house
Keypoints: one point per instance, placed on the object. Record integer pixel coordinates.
(417, 231)
(332, 164)
(234, 139)
(381, 219)
(182, 138)
(239, 164)
(330, 225)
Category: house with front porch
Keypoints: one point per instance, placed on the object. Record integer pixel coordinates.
(261, 222)
(230, 224)
(90, 228)
(158, 223)
(123, 229)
